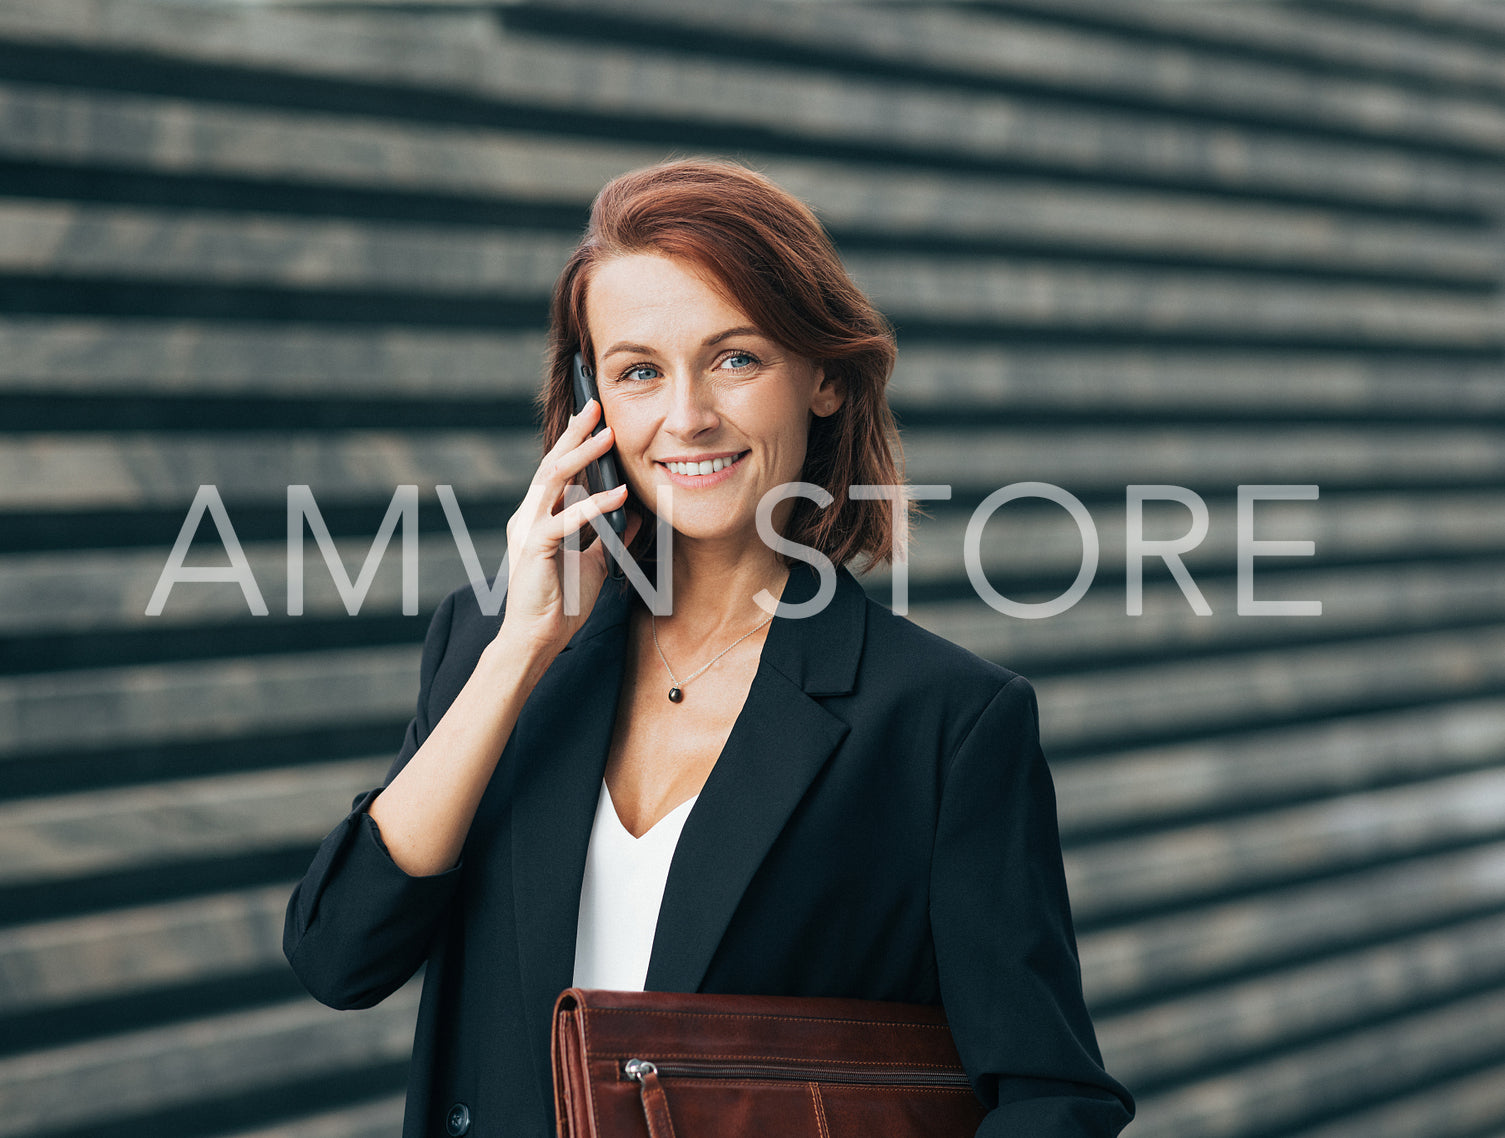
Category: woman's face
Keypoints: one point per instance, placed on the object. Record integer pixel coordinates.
(687, 383)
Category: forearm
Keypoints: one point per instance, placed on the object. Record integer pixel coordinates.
(1005, 947)
(425, 812)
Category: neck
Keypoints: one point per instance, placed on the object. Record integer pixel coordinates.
(714, 588)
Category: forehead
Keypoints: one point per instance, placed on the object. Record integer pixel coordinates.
(646, 295)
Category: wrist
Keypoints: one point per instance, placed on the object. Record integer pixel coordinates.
(514, 660)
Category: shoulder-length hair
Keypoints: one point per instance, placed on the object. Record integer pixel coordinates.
(769, 254)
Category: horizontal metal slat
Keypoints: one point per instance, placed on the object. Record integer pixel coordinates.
(54, 593)
(1254, 689)
(96, 831)
(1085, 459)
(1198, 862)
(1176, 382)
(1478, 22)
(137, 470)
(1332, 40)
(1287, 1090)
(64, 356)
(136, 1072)
(1199, 944)
(1033, 537)
(467, 53)
(999, 46)
(1158, 783)
(222, 248)
(1095, 630)
(1271, 1011)
(1132, 301)
(104, 954)
(205, 698)
(1461, 1107)
(178, 137)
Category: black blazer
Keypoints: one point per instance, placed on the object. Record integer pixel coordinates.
(880, 825)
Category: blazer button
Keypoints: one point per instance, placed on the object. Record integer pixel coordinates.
(458, 1121)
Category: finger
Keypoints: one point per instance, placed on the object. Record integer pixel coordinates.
(559, 469)
(557, 483)
(595, 555)
(570, 512)
(575, 517)
(576, 427)
(565, 479)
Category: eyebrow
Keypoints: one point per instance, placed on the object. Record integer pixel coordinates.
(643, 349)
(742, 330)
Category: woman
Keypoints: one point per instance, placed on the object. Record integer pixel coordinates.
(835, 803)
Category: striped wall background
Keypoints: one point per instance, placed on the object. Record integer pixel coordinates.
(1205, 245)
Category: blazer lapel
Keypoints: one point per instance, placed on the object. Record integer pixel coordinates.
(779, 743)
(562, 741)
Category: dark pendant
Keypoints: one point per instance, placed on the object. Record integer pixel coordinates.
(675, 695)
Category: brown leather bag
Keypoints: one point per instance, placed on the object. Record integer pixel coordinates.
(698, 1065)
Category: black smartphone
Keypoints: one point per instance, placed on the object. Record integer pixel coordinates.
(601, 474)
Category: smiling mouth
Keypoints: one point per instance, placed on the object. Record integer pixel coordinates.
(710, 466)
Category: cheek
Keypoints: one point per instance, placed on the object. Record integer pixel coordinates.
(627, 423)
(792, 429)
(631, 442)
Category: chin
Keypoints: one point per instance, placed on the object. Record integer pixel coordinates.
(717, 527)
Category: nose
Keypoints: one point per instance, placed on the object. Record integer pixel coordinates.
(692, 408)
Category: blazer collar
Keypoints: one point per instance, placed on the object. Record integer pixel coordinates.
(780, 740)
(819, 653)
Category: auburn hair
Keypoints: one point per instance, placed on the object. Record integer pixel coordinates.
(771, 257)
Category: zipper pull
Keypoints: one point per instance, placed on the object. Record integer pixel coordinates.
(655, 1105)
(638, 1069)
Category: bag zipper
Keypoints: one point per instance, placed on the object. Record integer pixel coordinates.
(637, 1070)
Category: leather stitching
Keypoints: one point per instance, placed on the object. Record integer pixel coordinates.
(763, 1016)
(763, 1055)
(820, 1112)
(585, 1032)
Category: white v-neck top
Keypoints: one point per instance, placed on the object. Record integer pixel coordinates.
(621, 895)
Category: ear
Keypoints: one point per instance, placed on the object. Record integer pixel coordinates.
(830, 393)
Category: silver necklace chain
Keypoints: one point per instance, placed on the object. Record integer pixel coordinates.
(676, 692)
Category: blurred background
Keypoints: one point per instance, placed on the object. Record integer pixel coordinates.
(1199, 244)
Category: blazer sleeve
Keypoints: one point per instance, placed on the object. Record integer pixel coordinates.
(357, 926)
(1005, 949)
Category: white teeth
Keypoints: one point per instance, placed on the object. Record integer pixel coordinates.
(709, 466)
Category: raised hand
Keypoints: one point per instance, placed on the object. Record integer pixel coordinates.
(538, 614)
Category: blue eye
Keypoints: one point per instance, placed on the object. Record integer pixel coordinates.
(749, 360)
(635, 372)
